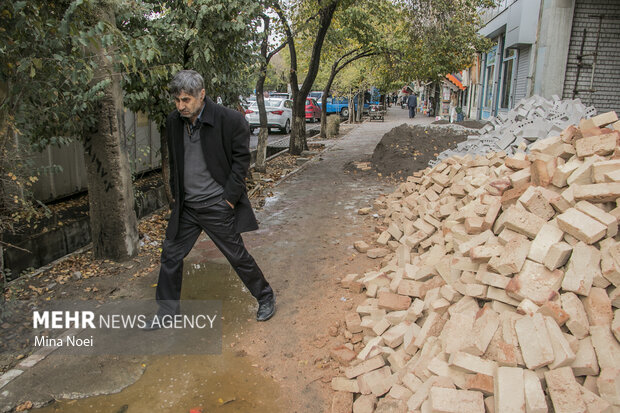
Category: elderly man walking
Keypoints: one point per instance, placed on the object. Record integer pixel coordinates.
(412, 104)
(209, 159)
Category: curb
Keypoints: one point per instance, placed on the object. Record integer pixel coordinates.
(32, 360)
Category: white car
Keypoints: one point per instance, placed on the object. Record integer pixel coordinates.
(279, 114)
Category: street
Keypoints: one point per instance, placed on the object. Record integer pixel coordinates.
(280, 138)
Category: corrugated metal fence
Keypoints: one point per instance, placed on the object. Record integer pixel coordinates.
(141, 141)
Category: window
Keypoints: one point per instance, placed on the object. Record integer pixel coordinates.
(490, 78)
(488, 90)
(507, 79)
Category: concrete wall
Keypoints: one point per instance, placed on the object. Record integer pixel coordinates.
(552, 47)
(51, 245)
(522, 23)
(605, 83)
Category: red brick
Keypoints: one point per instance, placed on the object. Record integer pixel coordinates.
(393, 302)
(343, 355)
(598, 307)
(517, 163)
(539, 173)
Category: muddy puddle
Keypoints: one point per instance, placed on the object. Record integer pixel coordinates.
(228, 382)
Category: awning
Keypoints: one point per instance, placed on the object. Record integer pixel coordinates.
(454, 80)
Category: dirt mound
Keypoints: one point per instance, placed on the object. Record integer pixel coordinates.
(406, 149)
(472, 124)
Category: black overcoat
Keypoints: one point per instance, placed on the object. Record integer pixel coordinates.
(225, 139)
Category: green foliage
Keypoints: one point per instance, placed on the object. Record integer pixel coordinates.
(443, 37)
(365, 30)
(47, 90)
(213, 37)
(277, 72)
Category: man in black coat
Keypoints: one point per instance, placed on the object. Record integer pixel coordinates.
(209, 158)
(412, 103)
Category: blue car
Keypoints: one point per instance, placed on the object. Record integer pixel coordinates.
(341, 105)
(337, 105)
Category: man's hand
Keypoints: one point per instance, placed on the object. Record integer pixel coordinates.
(231, 205)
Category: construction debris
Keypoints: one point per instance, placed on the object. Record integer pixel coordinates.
(498, 287)
(531, 119)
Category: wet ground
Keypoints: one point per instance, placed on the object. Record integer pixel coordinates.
(304, 247)
(227, 382)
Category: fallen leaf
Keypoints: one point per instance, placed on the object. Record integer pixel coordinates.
(24, 406)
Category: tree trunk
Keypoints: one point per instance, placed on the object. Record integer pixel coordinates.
(3, 278)
(113, 220)
(328, 86)
(323, 132)
(165, 164)
(261, 148)
(360, 105)
(298, 129)
(351, 108)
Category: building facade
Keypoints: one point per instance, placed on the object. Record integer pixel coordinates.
(564, 48)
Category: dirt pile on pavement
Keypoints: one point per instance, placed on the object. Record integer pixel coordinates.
(408, 148)
(498, 284)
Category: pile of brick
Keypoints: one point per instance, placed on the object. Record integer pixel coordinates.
(497, 286)
(531, 119)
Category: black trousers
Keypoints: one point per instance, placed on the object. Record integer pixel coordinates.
(412, 111)
(218, 221)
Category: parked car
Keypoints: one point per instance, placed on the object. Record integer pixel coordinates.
(279, 114)
(337, 105)
(313, 110)
(282, 95)
(341, 105)
(316, 95)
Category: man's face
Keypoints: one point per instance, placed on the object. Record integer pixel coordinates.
(189, 106)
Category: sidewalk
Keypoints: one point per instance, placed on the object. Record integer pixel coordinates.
(304, 246)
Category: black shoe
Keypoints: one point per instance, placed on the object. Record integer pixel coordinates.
(152, 325)
(266, 310)
(157, 321)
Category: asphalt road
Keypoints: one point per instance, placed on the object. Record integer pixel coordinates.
(275, 136)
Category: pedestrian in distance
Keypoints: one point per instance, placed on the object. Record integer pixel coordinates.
(208, 146)
(412, 103)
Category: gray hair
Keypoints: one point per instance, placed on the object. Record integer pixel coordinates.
(188, 81)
